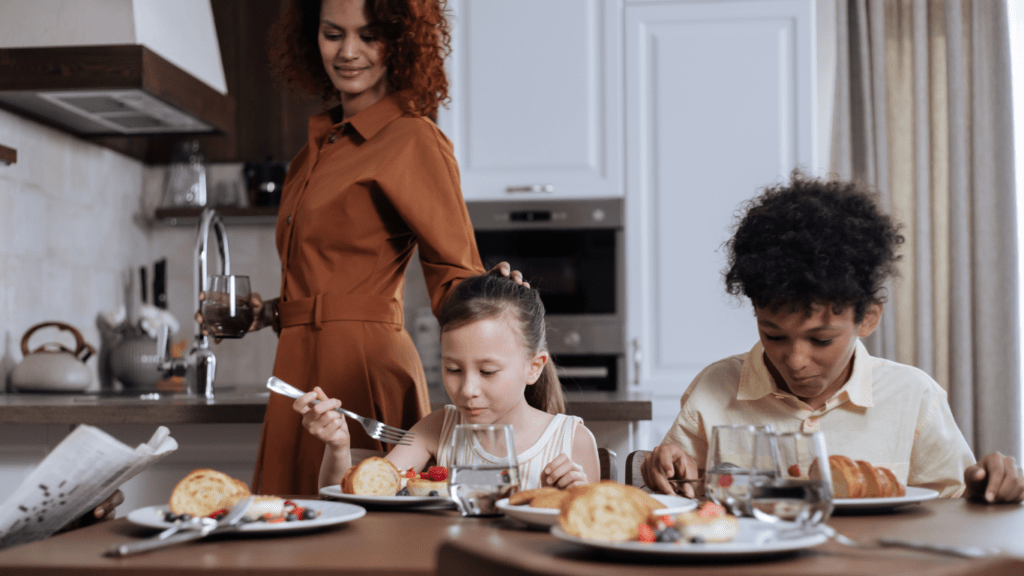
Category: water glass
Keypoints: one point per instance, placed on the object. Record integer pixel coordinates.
(226, 310)
(799, 488)
(731, 460)
(484, 468)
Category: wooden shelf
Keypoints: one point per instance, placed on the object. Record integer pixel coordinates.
(8, 155)
(262, 215)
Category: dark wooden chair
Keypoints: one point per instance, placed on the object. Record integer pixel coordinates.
(606, 458)
(634, 461)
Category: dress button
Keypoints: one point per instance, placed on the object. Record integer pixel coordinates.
(288, 220)
(333, 137)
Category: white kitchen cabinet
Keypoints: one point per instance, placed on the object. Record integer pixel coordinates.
(719, 103)
(536, 98)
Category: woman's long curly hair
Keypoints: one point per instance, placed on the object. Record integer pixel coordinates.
(490, 296)
(416, 36)
(813, 242)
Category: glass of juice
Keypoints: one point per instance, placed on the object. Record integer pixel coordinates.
(226, 310)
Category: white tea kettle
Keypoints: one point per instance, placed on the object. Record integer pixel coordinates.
(52, 367)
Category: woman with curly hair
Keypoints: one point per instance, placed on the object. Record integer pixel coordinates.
(812, 257)
(376, 181)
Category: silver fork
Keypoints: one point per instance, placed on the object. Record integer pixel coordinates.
(376, 429)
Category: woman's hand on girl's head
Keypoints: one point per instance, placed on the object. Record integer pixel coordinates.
(562, 472)
(321, 420)
(505, 269)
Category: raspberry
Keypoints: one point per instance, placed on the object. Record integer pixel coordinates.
(410, 473)
(646, 533)
(298, 512)
(424, 476)
(668, 520)
(437, 473)
(725, 480)
(218, 514)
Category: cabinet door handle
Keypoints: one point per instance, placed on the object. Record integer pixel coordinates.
(531, 188)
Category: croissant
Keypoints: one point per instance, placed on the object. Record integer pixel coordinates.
(861, 479)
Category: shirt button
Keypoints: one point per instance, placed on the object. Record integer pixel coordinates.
(333, 137)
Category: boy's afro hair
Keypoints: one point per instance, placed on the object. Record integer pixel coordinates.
(813, 242)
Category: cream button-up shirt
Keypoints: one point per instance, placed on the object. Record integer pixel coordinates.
(887, 413)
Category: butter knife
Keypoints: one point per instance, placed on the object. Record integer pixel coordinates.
(227, 523)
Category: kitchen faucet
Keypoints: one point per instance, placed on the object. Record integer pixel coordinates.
(199, 364)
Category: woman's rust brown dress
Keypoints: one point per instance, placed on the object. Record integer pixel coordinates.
(357, 201)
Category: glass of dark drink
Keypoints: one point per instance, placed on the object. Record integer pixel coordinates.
(226, 310)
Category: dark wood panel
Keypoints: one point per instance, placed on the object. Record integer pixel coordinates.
(8, 155)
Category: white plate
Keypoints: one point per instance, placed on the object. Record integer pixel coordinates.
(335, 493)
(755, 538)
(913, 496)
(330, 513)
(549, 516)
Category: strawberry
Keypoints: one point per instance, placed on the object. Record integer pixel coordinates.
(437, 473)
(410, 473)
(668, 520)
(217, 514)
(646, 533)
(794, 471)
(424, 476)
(711, 510)
(725, 480)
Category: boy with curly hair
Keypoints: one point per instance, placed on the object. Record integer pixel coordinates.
(812, 256)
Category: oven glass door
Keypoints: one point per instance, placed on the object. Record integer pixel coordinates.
(574, 270)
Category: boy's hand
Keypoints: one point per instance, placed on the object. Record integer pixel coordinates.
(995, 478)
(669, 461)
(562, 473)
(321, 420)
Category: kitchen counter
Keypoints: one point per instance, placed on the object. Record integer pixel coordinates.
(242, 407)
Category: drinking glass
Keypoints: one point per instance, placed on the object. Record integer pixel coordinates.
(799, 488)
(484, 469)
(730, 462)
(226, 309)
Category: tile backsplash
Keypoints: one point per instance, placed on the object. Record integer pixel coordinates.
(74, 216)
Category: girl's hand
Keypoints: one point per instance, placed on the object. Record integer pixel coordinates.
(505, 269)
(321, 420)
(562, 473)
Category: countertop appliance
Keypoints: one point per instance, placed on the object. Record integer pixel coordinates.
(572, 251)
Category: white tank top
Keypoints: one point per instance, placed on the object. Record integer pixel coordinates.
(556, 439)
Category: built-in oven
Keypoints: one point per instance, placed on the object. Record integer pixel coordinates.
(571, 251)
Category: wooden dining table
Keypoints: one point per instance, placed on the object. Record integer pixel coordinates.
(422, 542)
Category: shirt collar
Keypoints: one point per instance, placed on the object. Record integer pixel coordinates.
(367, 122)
(756, 382)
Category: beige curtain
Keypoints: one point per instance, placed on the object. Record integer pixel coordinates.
(923, 113)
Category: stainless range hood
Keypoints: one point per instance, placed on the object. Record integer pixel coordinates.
(114, 67)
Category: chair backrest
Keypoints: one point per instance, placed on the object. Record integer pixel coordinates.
(606, 458)
(633, 463)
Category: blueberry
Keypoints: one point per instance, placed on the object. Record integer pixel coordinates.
(291, 518)
(667, 535)
(403, 492)
(433, 493)
(170, 516)
(696, 540)
(185, 517)
(308, 514)
(506, 478)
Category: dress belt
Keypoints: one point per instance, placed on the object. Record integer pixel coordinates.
(334, 306)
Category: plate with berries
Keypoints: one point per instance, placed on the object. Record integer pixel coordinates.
(266, 514)
(426, 489)
(543, 516)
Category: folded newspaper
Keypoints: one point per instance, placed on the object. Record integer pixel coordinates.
(75, 477)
